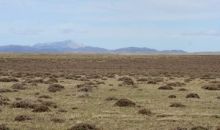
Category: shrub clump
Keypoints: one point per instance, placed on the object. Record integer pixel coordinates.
(177, 104)
(188, 80)
(51, 80)
(212, 87)
(8, 79)
(18, 86)
(55, 88)
(176, 84)
(20, 118)
(182, 89)
(41, 108)
(62, 110)
(3, 100)
(111, 99)
(45, 96)
(86, 87)
(155, 80)
(48, 103)
(36, 80)
(145, 112)
(57, 120)
(172, 96)
(3, 127)
(83, 95)
(126, 81)
(142, 79)
(192, 95)
(218, 128)
(24, 104)
(180, 128)
(5, 90)
(125, 103)
(165, 88)
(199, 128)
(84, 126)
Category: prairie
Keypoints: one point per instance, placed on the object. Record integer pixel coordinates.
(109, 92)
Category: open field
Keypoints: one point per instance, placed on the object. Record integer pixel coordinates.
(109, 92)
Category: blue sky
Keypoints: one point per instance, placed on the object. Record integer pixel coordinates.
(191, 25)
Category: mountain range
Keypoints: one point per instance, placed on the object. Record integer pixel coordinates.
(69, 46)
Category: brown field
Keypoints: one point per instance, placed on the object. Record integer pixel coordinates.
(109, 92)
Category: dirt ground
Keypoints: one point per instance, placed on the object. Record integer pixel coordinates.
(109, 92)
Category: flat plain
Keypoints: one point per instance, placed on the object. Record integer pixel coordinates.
(109, 92)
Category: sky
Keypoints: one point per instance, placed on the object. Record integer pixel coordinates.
(191, 25)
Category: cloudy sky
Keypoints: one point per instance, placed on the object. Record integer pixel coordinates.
(191, 25)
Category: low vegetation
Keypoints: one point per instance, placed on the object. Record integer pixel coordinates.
(105, 92)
